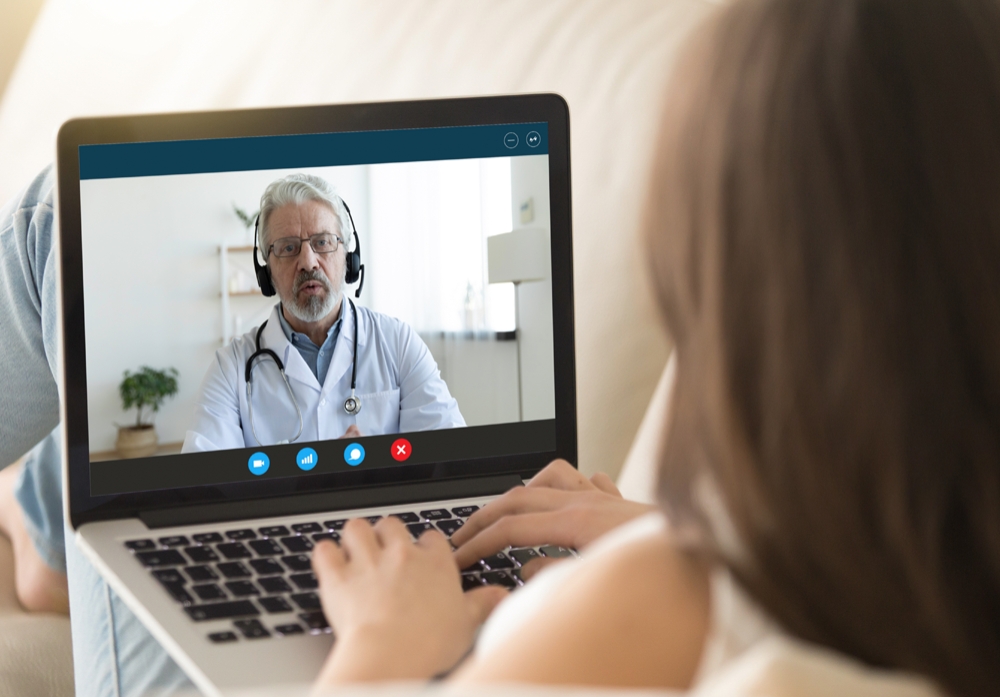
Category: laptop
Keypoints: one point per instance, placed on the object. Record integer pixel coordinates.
(214, 432)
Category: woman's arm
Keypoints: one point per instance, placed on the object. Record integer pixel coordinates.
(636, 618)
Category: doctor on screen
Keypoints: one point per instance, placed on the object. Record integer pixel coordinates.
(321, 367)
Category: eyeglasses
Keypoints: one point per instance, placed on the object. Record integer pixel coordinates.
(323, 243)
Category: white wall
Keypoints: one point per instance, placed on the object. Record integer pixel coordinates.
(151, 280)
(529, 179)
(481, 374)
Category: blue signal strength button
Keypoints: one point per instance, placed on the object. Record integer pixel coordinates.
(354, 454)
(258, 463)
(306, 459)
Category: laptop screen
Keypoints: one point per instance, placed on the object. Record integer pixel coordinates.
(402, 314)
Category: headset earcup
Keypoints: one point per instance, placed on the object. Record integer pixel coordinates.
(353, 264)
(263, 278)
(262, 273)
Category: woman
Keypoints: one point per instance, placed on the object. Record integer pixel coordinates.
(824, 233)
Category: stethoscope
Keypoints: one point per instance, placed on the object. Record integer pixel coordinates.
(352, 405)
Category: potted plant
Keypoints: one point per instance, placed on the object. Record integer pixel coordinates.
(145, 392)
(249, 220)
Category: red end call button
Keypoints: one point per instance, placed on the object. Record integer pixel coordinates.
(401, 449)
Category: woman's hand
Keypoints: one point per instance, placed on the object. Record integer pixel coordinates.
(559, 506)
(396, 607)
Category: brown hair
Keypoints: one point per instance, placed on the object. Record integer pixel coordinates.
(825, 237)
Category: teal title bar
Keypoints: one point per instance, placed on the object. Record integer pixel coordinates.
(149, 159)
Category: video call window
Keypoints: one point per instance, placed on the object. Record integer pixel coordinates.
(453, 323)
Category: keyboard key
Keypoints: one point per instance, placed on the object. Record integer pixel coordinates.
(168, 576)
(335, 524)
(274, 531)
(275, 604)
(407, 517)
(222, 611)
(200, 573)
(316, 621)
(234, 550)
(266, 567)
(289, 629)
(523, 556)
(470, 581)
(222, 637)
(140, 545)
(266, 548)
(306, 601)
(418, 529)
(332, 536)
(464, 511)
(498, 561)
(161, 557)
(448, 527)
(297, 544)
(274, 584)
(174, 541)
(436, 514)
(308, 527)
(233, 569)
(251, 629)
(242, 589)
(245, 534)
(207, 538)
(201, 554)
(500, 578)
(297, 562)
(179, 593)
(477, 566)
(209, 591)
(553, 551)
(372, 519)
(306, 581)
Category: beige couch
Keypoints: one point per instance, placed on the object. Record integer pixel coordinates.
(608, 58)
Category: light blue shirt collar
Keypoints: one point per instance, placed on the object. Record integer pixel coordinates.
(316, 357)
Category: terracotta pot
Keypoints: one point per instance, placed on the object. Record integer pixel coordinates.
(136, 441)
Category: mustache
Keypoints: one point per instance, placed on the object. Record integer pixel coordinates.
(308, 276)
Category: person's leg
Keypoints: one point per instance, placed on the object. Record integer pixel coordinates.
(113, 653)
(31, 517)
(30, 494)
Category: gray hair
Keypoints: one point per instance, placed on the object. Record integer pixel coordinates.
(297, 189)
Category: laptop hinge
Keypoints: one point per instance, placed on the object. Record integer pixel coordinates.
(330, 501)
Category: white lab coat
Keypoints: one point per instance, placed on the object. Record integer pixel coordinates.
(398, 382)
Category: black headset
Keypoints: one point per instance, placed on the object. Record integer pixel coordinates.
(355, 270)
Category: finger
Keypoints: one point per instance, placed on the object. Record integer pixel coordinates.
(328, 560)
(516, 501)
(434, 541)
(482, 601)
(605, 484)
(559, 474)
(535, 565)
(358, 540)
(391, 531)
(527, 530)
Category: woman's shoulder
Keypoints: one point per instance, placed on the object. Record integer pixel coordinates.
(631, 614)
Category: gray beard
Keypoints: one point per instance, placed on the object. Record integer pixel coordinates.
(314, 307)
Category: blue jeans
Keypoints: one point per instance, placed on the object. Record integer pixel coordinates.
(113, 653)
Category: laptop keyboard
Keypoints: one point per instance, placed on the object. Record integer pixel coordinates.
(244, 574)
